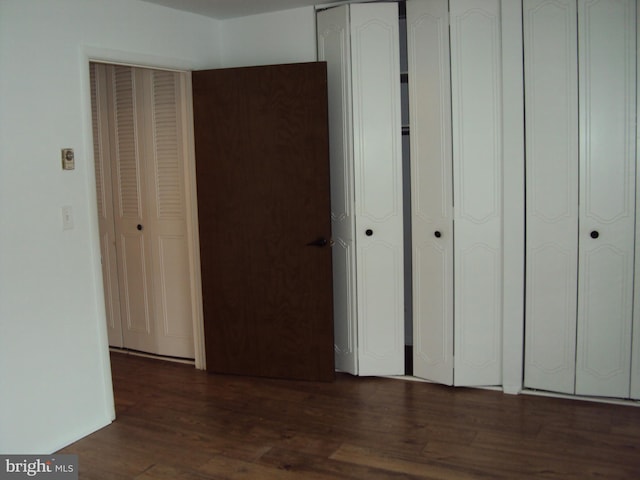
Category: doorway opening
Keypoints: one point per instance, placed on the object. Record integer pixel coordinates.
(145, 185)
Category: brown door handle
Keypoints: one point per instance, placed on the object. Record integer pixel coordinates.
(318, 242)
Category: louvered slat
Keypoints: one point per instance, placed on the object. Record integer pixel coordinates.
(169, 199)
(125, 131)
(97, 143)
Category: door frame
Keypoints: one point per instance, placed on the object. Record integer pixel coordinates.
(136, 60)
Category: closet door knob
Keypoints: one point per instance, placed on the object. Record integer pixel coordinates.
(368, 232)
(595, 234)
(437, 234)
(139, 227)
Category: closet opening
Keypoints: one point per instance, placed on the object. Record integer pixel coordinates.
(406, 189)
(145, 179)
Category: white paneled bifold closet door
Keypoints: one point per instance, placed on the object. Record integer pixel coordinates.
(580, 84)
(455, 81)
(360, 44)
(334, 40)
(377, 151)
(476, 84)
(551, 99)
(431, 189)
(139, 143)
(606, 237)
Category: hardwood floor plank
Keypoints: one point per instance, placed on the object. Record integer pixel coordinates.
(524, 462)
(164, 472)
(177, 422)
(304, 463)
(565, 448)
(232, 469)
(381, 460)
(302, 442)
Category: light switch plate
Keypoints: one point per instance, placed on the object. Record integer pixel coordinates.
(67, 217)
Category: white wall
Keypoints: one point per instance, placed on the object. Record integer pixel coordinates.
(55, 383)
(287, 36)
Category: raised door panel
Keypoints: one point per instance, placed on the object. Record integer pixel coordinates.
(137, 303)
(551, 105)
(431, 189)
(607, 60)
(378, 187)
(334, 48)
(477, 158)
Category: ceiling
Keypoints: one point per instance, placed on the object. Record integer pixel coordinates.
(223, 9)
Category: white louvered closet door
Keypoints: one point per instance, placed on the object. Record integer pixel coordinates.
(133, 243)
(166, 214)
(102, 156)
(145, 118)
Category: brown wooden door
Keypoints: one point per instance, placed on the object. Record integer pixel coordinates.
(262, 169)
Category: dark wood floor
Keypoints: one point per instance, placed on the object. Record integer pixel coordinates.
(175, 422)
